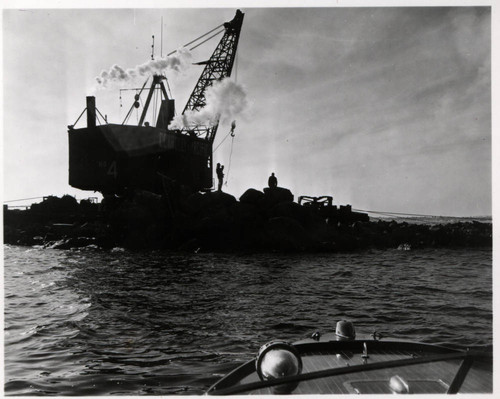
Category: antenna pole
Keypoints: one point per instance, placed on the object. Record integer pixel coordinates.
(153, 49)
(161, 47)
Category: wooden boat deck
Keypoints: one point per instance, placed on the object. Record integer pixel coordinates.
(423, 378)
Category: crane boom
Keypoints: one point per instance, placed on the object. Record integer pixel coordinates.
(218, 67)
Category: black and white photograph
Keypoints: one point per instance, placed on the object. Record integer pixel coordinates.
(248, 198)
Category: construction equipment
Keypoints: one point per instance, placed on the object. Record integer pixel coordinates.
(323, 205)
(316, 202)
(118, 158)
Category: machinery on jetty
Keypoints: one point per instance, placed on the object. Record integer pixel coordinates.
(323, 205)
(343, 363)
(117, 158)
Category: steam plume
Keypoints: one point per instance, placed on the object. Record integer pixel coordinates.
(177, 62)
(225, 100)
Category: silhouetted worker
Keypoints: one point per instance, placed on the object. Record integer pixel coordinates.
(273, 181)
(220, 175)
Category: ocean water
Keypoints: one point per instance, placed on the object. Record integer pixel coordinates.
(94, 322)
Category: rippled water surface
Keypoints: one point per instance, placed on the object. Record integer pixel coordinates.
(92, 322)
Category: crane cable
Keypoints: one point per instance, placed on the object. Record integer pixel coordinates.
(206, 40)
(230, 155)
(198, 38)
(22, 199)
(233, 124)
(404, 214)
(218, 145)
(175, 51)
(155, 102)
(132, 107)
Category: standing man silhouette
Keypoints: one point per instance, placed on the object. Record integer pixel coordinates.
(220, 175)
(272, 181)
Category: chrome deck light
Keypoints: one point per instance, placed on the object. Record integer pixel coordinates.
(278, 359)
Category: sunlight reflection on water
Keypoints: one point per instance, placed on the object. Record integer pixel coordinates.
(90, 322)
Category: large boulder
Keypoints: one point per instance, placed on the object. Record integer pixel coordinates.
(152, 202)
(204, 204)
(211, 232)
(275, 195)
(139, 221)
(248, 225)
(220, 199)
(286, 234)
(54, 208)
(252, 196)
(290, 210)
(195, 203)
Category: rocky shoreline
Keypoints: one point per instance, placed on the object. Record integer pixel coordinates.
(260, 221)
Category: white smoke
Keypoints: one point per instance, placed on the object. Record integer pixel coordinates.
(225, 100)
(177, 62)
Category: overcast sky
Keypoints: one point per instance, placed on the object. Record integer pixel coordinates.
(386, 109)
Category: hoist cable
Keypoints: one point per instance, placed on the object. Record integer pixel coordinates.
(22, 199)
(230, 156)
(103, 117)
(155, 102)
(402, 214)
(206, 40)
(198, 38)
(236, 69)
(74, 124)
(132, 107)
(215, 149)
(168, 87)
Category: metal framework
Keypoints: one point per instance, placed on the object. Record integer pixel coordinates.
(157, 80)
(218, 67)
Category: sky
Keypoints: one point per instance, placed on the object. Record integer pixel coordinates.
(383, 108)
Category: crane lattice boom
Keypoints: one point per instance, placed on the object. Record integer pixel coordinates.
(218, 67)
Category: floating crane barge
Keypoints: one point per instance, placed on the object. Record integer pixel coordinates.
(117, 158)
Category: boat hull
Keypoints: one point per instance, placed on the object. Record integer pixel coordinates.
(370, 366)
(113, 158)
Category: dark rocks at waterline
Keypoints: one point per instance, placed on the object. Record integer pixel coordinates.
(216, 221)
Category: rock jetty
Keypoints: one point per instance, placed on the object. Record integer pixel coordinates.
(260, 221)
